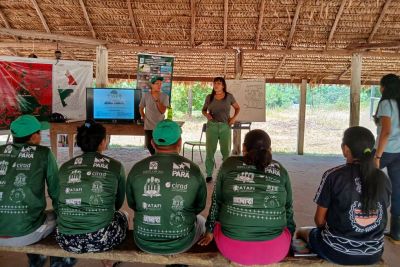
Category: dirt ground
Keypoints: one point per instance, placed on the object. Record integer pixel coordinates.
(305, 172)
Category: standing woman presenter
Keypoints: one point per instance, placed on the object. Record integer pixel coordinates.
(216, 109)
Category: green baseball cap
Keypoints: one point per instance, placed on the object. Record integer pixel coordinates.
(166, 133)
(26, 125)
(156, 78)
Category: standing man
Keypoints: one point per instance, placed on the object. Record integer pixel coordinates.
(167, 193)
(152, 108)
(25, 168)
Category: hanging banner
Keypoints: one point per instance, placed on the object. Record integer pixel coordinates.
(70, 81)
(155, 65)
(43, 86)
(25, 88)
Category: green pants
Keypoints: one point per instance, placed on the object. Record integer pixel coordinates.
(217, 131)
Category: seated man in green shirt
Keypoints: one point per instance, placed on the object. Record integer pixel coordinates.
(25, 168)
(166, 191)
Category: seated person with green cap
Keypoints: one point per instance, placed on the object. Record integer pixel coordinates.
(152, 108)
(166, 191)
(25, 168)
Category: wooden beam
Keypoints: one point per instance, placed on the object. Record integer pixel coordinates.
(85, 14)
(42, 19)
(133, 23)
(355, 89)
(333, 29)
(101, 66)
(52, 36)
(302, 117)
(344, 73)
(238, 64)
(294, 22)
(193, 22)
(280, 65)
(226, 6)
(380, 18)
(3, 17)
(367, 46)
(260, 23)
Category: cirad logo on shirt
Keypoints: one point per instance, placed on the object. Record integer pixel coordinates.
(181, 170)
(101, 163)
(3, 167)
(22, 166)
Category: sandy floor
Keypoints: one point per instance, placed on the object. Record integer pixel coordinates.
(305, 173)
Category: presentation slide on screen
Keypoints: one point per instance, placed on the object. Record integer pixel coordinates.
(113, 104)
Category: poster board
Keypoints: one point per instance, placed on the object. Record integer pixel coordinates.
(150, 65)
(43, 86)
(250, 95)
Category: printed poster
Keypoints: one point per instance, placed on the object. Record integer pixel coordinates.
(155, 65)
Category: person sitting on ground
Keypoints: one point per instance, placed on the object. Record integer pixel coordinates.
(92, 190)
(25, 168)
(251, 215)
(352, 201)
(166, 191)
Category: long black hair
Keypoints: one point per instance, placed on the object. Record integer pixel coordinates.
(361, 141)
(222, 80)
(391, 90)
(90, 135)
(258, 147)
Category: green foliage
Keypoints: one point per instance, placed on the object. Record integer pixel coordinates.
(281, 95)
(180, 93)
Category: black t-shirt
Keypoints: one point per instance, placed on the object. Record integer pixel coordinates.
(347, 229)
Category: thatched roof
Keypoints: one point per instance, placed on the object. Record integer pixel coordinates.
(279, 40)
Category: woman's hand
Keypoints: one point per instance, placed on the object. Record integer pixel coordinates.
(377, 162)
(231, 121)
(209, 117)
(206, 239)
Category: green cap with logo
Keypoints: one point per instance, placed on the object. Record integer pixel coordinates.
(26, 125)
(166, 133)
(156, 78)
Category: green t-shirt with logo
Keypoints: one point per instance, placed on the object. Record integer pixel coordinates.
(24, 171)
(166, 191)
(251, 204)
(92, 187)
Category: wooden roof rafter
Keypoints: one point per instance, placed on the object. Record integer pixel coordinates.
(344, 72)
(40, 14)
(86, 15)
(11, 49)
(133, 23)
(260, 22)
(337, 18)
(378, 22)
(226, 9)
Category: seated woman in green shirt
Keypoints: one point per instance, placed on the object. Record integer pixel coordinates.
(251, 215)
(92, 190)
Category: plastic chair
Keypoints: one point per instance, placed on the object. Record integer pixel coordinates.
(198, 144)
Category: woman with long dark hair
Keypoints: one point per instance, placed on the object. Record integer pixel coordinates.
(216, 109)
(251, 215)
(352, 201)
(387, 153)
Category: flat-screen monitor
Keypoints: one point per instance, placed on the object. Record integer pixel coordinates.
(112, 105)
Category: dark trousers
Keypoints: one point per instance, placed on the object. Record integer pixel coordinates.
(148, 136)
(392, 162)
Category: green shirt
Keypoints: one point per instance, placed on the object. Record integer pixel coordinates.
(24, 170)
(250, 204)
(166, 191)
(92, 187)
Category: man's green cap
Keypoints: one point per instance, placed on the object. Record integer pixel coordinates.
(166, 133)
(26, 125)
(156, 78)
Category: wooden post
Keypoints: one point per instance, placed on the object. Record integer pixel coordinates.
(355, 88)
(101, 66)
(237, 133)
(190, 100)
(302, 117)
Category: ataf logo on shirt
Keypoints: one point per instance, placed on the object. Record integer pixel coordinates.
(245, 177)
(152, 187)
(73, 201)
(243, 188)
(151, 206)
(75, 177)
(27, 152)
(181, 170)
(243, 201)
(101, 163)
(152, 220)
(8, 149)
(78, 161)
(3, 167)
(72, 190)
(20, 180)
